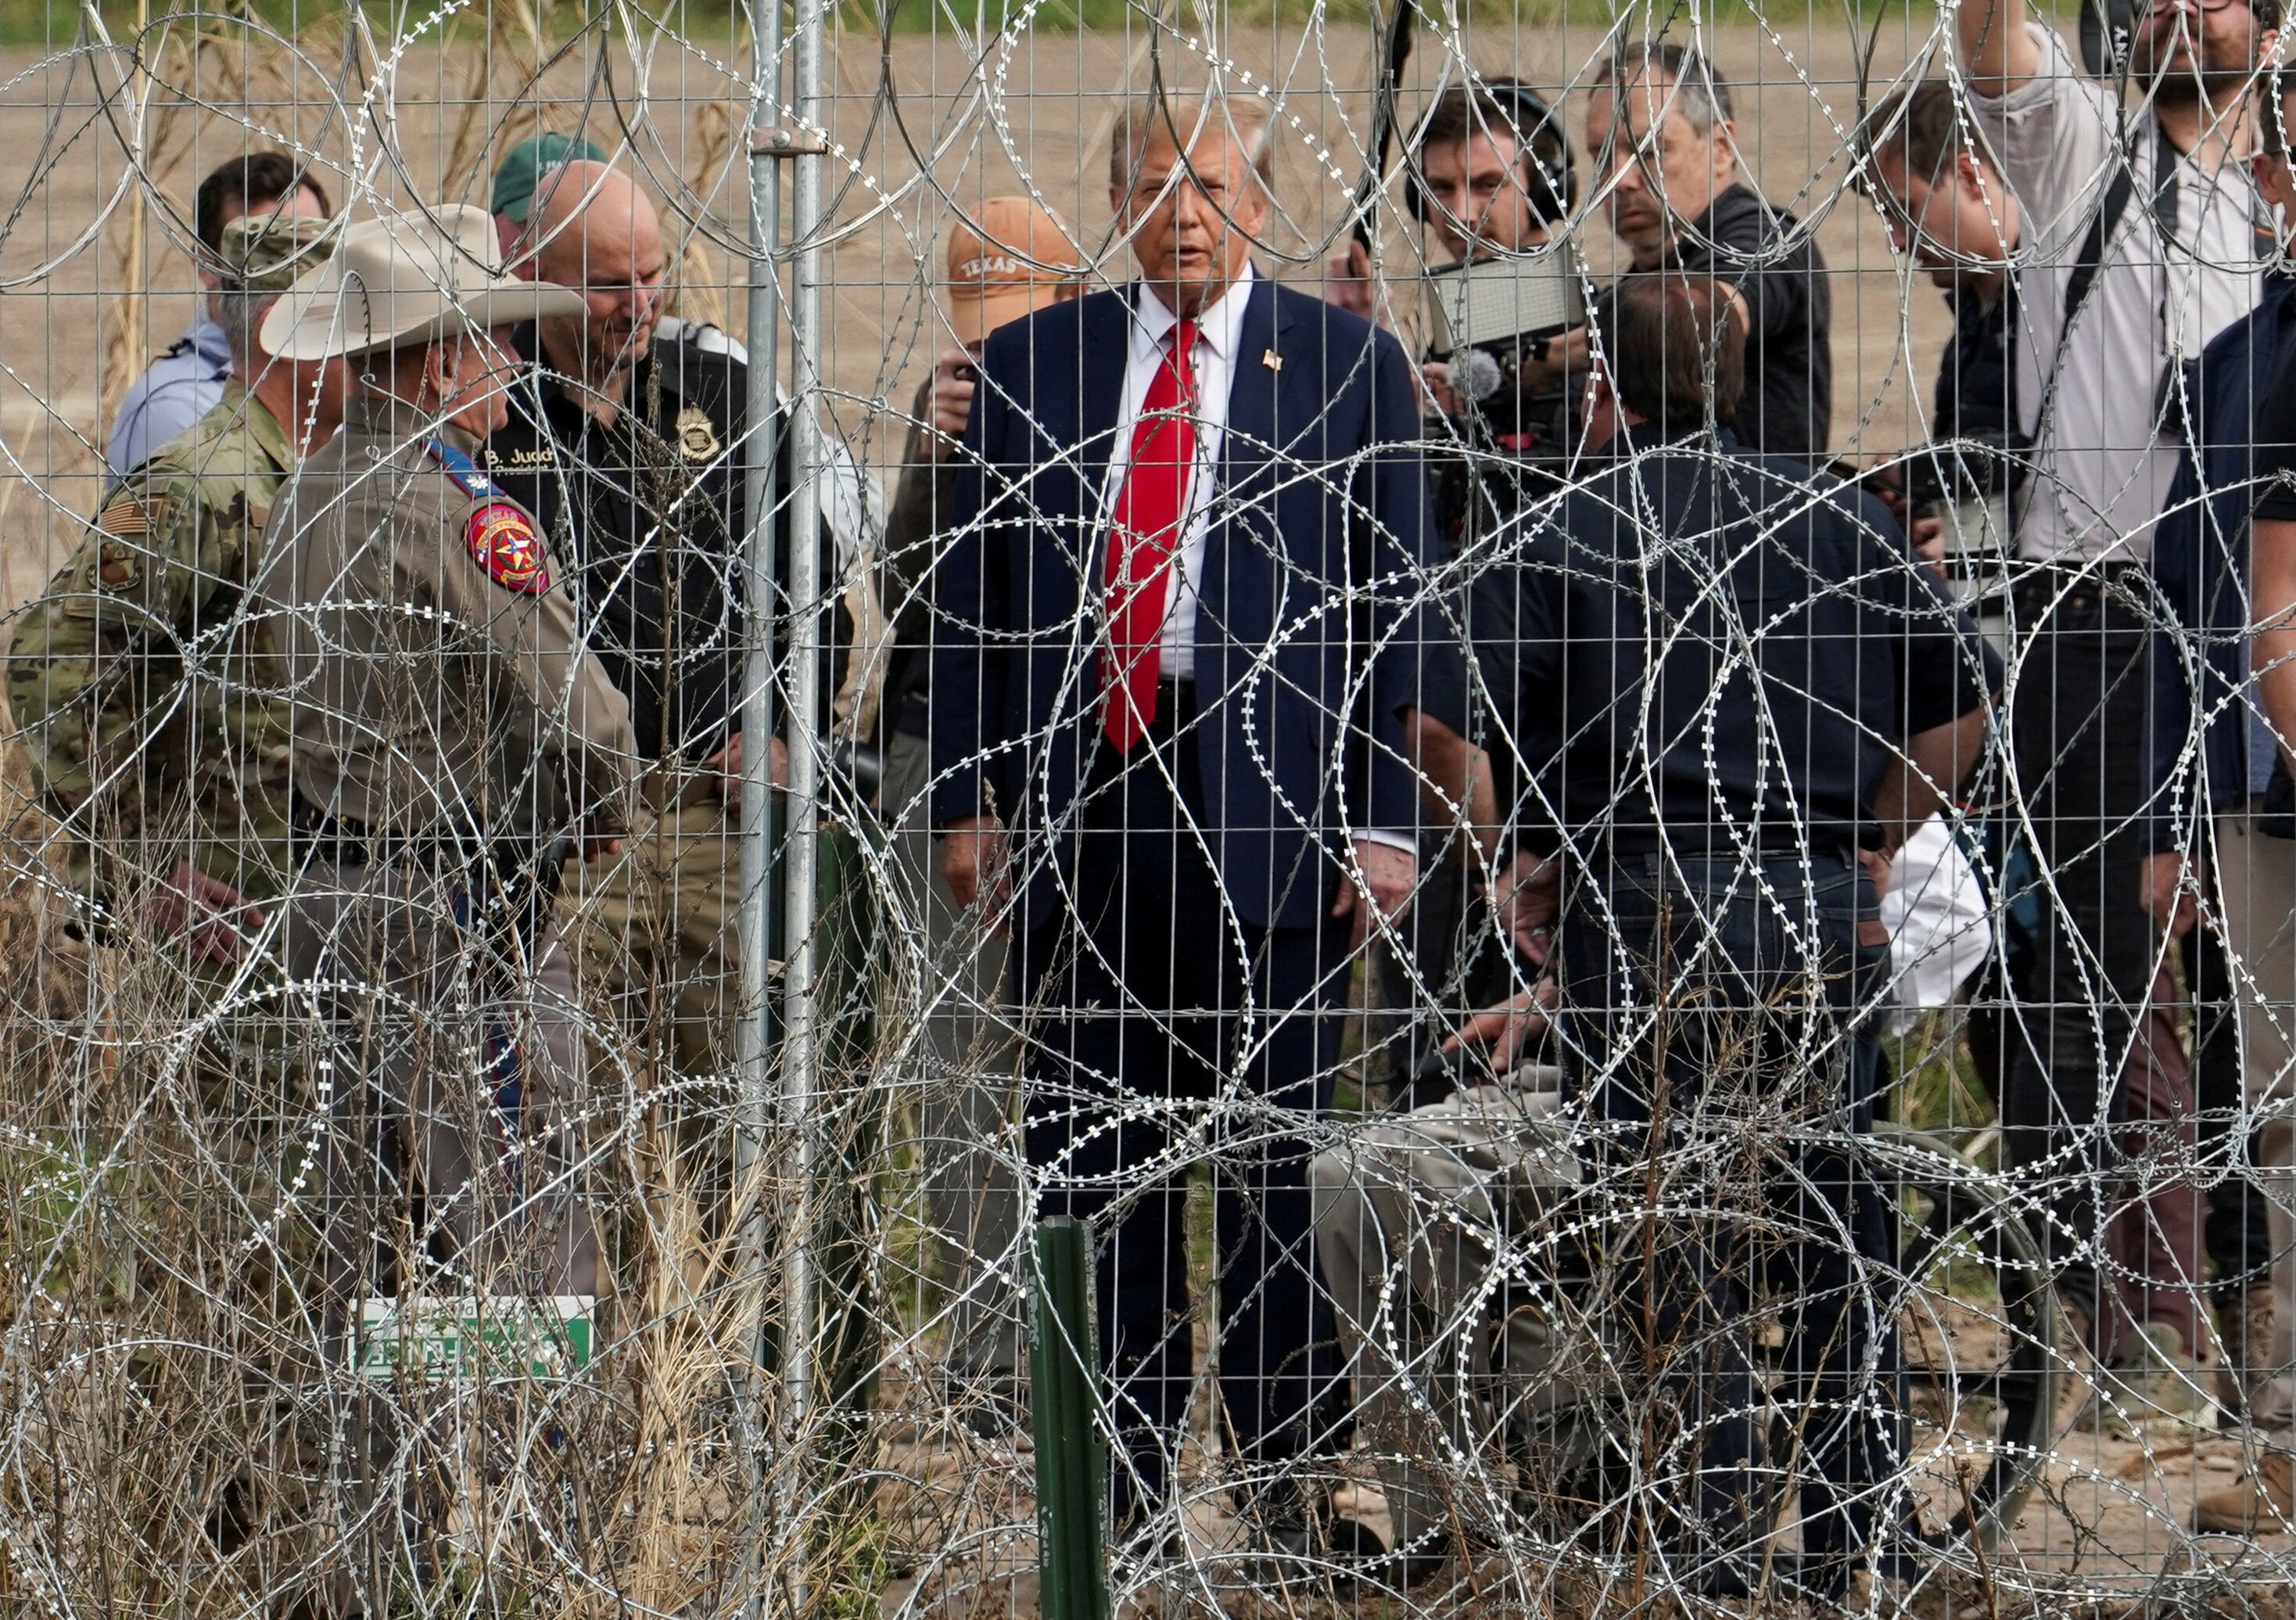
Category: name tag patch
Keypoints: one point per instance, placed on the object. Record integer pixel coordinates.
(504, 543)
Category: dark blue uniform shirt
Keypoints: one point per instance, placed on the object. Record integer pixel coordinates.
(1704, 647)
(2242, 417)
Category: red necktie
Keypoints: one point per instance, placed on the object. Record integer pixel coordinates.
(1150, 509)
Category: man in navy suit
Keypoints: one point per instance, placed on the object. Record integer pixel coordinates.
(1177, 647)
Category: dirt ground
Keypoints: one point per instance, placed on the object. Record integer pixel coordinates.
(2104, 1534)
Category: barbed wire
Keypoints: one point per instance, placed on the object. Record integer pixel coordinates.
(410, 1208)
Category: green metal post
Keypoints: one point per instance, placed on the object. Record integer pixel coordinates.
(1071, 1458)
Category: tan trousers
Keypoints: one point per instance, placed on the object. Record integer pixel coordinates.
(965, 1070)
(1454, 1351)
(446, 1056)
(454, 1060)
(657, 953)
(653, 933)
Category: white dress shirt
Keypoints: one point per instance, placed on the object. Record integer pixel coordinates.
(2105, 463)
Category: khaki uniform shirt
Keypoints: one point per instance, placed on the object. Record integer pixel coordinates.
(439, 687)
(139, 678)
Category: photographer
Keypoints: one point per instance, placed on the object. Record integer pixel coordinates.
(1490, 175)
(1950, 212)
(2143, 247)
(1662, 138)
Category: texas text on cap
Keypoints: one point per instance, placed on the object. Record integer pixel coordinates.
(1010, 260)
(524, 165)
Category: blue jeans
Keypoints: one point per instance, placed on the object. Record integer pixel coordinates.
(1718, 1024)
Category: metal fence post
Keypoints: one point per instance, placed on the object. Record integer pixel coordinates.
(754, 1044)
(802, 698)
(1071, 1456)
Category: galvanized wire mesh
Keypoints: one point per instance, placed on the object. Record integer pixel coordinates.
(452, 1224)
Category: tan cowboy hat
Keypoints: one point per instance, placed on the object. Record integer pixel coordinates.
(406, 280)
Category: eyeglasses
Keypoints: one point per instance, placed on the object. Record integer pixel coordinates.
(2150, 8)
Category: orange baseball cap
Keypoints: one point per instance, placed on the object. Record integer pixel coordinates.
(1011, 258)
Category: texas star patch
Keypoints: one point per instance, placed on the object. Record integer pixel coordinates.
(504, 543)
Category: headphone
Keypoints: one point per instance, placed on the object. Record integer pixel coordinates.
(2106, 27)
(1550, 179)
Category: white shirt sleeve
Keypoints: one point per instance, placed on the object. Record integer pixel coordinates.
(2056, 137)
(1939, 929)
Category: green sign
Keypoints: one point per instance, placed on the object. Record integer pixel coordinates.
(476, 1339)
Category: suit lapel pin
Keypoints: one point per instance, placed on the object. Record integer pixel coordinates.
(1271, 360)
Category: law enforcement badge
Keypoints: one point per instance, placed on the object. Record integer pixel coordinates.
(504, 543)
(696, 435)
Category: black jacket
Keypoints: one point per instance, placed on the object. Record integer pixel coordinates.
(1743, 666)
(1762, 252)
(653, 514)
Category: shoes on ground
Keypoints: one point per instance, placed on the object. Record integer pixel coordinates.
(1355, 1555)
(2264, 1503)
(2153, 1381)
(2244, 1328)
(1312, 1546)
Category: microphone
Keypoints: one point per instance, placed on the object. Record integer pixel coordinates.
(1475, 374)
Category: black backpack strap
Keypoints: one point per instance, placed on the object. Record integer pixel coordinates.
(2164, 189)
(2090, 260)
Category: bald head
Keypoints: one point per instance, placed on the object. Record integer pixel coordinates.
(594, 230)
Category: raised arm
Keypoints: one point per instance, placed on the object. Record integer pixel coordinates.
(1995, 53)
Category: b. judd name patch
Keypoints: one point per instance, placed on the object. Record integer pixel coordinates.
(504, 543)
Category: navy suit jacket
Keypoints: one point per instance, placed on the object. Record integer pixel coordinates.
(1309, 643)
(2201, 678)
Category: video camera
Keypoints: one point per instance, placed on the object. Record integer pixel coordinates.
(1487, 314)
(1974, 466)
(1487, 319)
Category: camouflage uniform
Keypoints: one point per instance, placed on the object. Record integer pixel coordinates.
(135, 677)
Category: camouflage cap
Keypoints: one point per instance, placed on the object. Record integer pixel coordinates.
(264, 253)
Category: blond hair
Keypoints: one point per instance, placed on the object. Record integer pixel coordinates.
(1182, 115)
